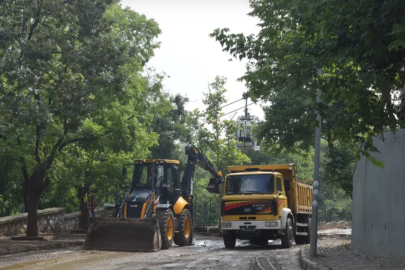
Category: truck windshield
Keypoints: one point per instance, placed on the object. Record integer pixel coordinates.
(250, 184)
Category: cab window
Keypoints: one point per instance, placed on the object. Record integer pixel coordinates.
(279, 187)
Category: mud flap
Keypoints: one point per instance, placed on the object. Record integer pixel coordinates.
(123, 234)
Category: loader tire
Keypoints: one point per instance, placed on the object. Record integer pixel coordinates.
(184, 234)
(166, 224)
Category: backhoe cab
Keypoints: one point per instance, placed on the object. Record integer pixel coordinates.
(157, 210)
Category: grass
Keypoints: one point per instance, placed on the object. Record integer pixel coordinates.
(319, 255)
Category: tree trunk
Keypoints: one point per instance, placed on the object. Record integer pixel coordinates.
(84, 220)
(32, 222)
(36, 187)
(25, 194)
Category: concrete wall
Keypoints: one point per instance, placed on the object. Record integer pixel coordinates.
(378, 226)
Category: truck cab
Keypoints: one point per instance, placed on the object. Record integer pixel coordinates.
(265, 202)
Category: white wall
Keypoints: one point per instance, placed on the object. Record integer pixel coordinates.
(379, 201)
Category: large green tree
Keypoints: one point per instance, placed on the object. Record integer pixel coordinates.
(171, 125)
(69, 74)
(215, 135)
(352, 50)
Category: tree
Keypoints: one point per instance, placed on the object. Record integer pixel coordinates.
(216, 137)
(69, 74)
(9, 175)
(358, 46)
(171, 127)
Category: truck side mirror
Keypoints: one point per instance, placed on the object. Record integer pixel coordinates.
(124, 171)
(286, 184)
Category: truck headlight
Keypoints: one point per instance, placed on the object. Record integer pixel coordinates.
(271, 224)
(226, 225)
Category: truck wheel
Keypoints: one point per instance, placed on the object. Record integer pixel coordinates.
(287, 238)
(229, 239)
(184, 234)
(166, 223)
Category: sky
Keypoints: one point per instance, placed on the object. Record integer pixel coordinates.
(189, 56)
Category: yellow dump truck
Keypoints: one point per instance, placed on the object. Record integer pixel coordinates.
(265, 202)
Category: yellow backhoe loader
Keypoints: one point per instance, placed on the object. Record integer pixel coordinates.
(157, 210)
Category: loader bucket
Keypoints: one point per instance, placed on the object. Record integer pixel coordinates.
(123, 234)
(213, 185)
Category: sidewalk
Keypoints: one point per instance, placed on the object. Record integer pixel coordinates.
(336, 254)
(8, 246)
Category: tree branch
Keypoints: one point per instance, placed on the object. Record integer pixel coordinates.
(25, 175)
(65, 127)
(37, 139)
(32, 28)
(76, 140)
(38, 129)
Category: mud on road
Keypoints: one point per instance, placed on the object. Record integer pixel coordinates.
(207, 253)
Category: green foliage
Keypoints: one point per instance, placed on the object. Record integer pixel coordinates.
(216, 137)
(74, 103)
(358, 46)
(171, 125)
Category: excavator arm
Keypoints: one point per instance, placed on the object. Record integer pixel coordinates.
(196, 157)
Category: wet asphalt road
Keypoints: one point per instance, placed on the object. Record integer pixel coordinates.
(207, 253)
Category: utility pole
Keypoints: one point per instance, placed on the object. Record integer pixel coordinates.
(315, 184)
(245, 96)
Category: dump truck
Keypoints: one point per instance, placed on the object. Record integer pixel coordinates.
(265, 202)
(157, 210)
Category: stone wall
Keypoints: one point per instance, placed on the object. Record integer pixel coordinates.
(379, 201)
(49, 220)
(72, 221)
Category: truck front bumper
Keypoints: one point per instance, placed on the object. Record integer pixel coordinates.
(257, 225)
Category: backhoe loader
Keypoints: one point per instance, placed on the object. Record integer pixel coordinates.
(157, 210)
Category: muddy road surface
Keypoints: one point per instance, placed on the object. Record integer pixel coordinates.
(207, 253)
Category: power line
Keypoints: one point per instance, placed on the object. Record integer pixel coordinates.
(227, 104)
(238, 109)
(231, 103)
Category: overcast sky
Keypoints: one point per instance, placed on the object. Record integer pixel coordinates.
(188, 55)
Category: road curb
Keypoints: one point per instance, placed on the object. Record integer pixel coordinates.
(306, 263)
(27, 247)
